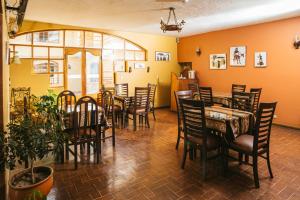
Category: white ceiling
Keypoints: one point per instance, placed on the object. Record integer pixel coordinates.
(144, 15)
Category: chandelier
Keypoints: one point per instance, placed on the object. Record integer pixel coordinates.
(171, 27)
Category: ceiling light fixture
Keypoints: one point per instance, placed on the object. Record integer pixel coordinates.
(171, 27)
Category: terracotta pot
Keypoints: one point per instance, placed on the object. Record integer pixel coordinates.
(44, 186)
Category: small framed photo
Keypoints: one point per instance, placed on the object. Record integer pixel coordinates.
(139, 65)
(238, 56)
(162, 56)
(217, 61)
(260, 59)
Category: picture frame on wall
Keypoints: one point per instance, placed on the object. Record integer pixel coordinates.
(260, 59)
(162, 56)
(139, 65)
(238, 56)
(217, 61)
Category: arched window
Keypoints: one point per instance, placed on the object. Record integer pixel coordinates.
(101, 55)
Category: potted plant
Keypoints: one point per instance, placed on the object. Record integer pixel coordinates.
(32, 138)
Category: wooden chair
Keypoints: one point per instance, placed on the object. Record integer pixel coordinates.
(121, 89)
(109, 109)
(140, 105)
(185, 94)
(196, 135)
(256, 92)
(194, 87)
(85, 129)
(243, 101)
(152, 88)
(257, 144)
(238, 88)
(206, 96)
(111, 89)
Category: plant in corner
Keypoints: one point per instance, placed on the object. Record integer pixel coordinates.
(30, 139)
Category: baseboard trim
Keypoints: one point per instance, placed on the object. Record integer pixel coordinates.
(286, 126)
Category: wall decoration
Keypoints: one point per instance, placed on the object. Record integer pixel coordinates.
(119, 66)
(260, 59)
(238, 56)
(162, 56)
(139, 65)
(217, 61)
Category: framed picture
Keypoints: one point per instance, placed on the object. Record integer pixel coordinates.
(238, 56)
(217, 61)
(119, 66)
(260, 59)
(162, 56)
(139, 65)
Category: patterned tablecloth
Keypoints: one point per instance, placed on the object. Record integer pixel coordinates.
(217, 116)
(222, 98)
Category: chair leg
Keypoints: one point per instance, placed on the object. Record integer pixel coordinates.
(240, 158)
(246, 158)
(184, 155)
(98, 147)
(191, 152)
(153, 113)
(75, 156)
(178, 138)
(147, 120)
(255, 172)
(67, 150)
(269, 164)
(103, 135)
(134, 122)
(204, 160)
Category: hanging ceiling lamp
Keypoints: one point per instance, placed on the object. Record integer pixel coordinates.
(171, 27)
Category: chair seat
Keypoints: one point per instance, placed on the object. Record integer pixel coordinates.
(243, 143)
(211, 141)
(131, 110)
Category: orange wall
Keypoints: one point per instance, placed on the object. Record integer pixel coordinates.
(280, 80)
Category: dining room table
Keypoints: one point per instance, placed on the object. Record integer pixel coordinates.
(124, 102)
(222, 98)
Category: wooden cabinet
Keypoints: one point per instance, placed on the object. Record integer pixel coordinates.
(177, 85)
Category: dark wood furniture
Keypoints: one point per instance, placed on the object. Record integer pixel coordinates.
(185, 94)
(140, 106)
(196, 135)
(256, 92)
(243, 101)
(121, 89)
(152, 90)
(206, 95)
(178, 84)
(194, 87)
(85, 128)
(257, 144)
(238, 88)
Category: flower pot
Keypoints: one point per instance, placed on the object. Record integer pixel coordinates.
(43, 186)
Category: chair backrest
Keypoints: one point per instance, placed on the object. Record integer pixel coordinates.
(262, 128)
(194, 122)
(184, 94)
(20, 97)
(238, 88)
(206, 95)
(66, 101)
(85, 117)
(194, 87)
(256, 92)
(243, 101)
(111, 89)
(141, 98)
(121, 89)
(99, 97)
(152, 88)
(107, 103)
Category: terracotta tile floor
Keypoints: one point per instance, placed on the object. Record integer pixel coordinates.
(145, 165)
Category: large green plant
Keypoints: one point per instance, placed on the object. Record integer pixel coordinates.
(35, 135)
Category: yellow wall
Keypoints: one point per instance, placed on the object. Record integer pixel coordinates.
(21, 74)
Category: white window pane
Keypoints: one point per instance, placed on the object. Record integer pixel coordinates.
(40, 66)
(22, 39)
(48, 38)
(129, 55)
(74, 38)
(107, 54)
(119, 54)
(111, 42)
(23, 51)
(74, 73)
(56, 80)
(139, 55)
(130, 46)
(40, 52)
(119, 66)
(56, 66)
(93, 40)
(56, 53)
(92, 73)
